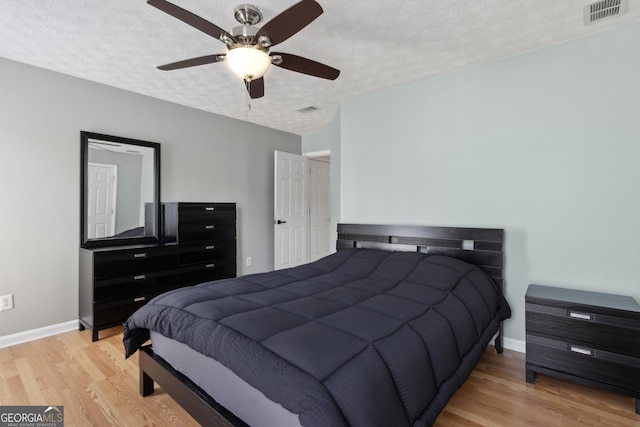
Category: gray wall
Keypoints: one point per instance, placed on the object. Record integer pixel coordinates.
(544, 144)
(205, 157)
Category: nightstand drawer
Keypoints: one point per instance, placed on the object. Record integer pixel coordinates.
(585, 361)
(581, 324)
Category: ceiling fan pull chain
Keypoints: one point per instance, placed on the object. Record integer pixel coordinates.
(247, 99)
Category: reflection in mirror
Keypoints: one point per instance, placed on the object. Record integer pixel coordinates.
(120, 190)
(120, 185)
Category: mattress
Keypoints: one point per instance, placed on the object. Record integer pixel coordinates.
(223, 385)
(362, 337)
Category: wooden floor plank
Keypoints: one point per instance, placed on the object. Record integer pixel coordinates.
(98, 386)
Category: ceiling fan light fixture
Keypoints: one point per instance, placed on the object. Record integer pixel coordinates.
(248, 62)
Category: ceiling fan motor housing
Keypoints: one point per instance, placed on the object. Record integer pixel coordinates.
(248, 14)
(245, 35)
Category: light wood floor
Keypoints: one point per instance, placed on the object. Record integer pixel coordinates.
(98, 387)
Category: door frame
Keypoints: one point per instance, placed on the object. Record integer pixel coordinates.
(318, 156)
(322, 153)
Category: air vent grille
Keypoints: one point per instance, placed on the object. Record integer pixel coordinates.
(308, 109)
(594, 12)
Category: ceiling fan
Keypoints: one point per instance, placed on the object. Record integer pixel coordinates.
(248, 46)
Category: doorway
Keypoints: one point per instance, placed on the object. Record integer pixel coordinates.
(319, 207)
(302, 208)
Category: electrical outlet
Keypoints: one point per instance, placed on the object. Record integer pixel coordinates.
(6, 302)
(248, 261)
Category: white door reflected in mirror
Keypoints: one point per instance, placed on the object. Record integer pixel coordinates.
(101, 209)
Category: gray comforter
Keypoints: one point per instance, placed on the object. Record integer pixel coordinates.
(360, 338)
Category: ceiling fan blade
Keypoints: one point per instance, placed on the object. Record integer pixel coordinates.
(290, 21)
(201, 60)
(306, 66)
(255, 87)
(191, 19)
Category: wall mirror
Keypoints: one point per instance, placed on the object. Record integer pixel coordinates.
(120, 191)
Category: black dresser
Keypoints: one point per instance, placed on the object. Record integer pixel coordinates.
(199, 245)
(206, 237)
(588, 337)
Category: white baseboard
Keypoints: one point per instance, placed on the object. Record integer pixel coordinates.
(34, 334)
(72, 325)
(515, 345)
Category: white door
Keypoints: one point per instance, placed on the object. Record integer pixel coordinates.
(101, 206)
(319, 209)
(290, 210)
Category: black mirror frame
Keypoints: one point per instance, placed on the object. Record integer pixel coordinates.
(85, 242)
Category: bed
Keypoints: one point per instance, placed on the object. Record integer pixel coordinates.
(382, 332)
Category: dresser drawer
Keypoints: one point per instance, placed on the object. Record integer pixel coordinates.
(134, 286)
(206, 252)
(129, 262)
(115, 312)
(585, 325)
(106, 314)
(196, 232)
(584, 360)
(206, 212)
(194, 274)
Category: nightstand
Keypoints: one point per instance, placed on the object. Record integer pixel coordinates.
(587, 337)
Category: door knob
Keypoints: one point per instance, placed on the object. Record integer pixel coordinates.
(280, 222)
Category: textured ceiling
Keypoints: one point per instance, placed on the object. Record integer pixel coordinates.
(376, 44)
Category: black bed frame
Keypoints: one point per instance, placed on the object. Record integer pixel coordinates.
(480, 246)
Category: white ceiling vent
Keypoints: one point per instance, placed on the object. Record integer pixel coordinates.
(603, 9)
(308, 109)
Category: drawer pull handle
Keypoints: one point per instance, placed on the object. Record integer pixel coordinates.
(209, 209)
(585, 351)
(209, 227)
(209, 247)
(210, 266)
(582, 316)
(139, 299)
(140, 277)
(140, 255)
